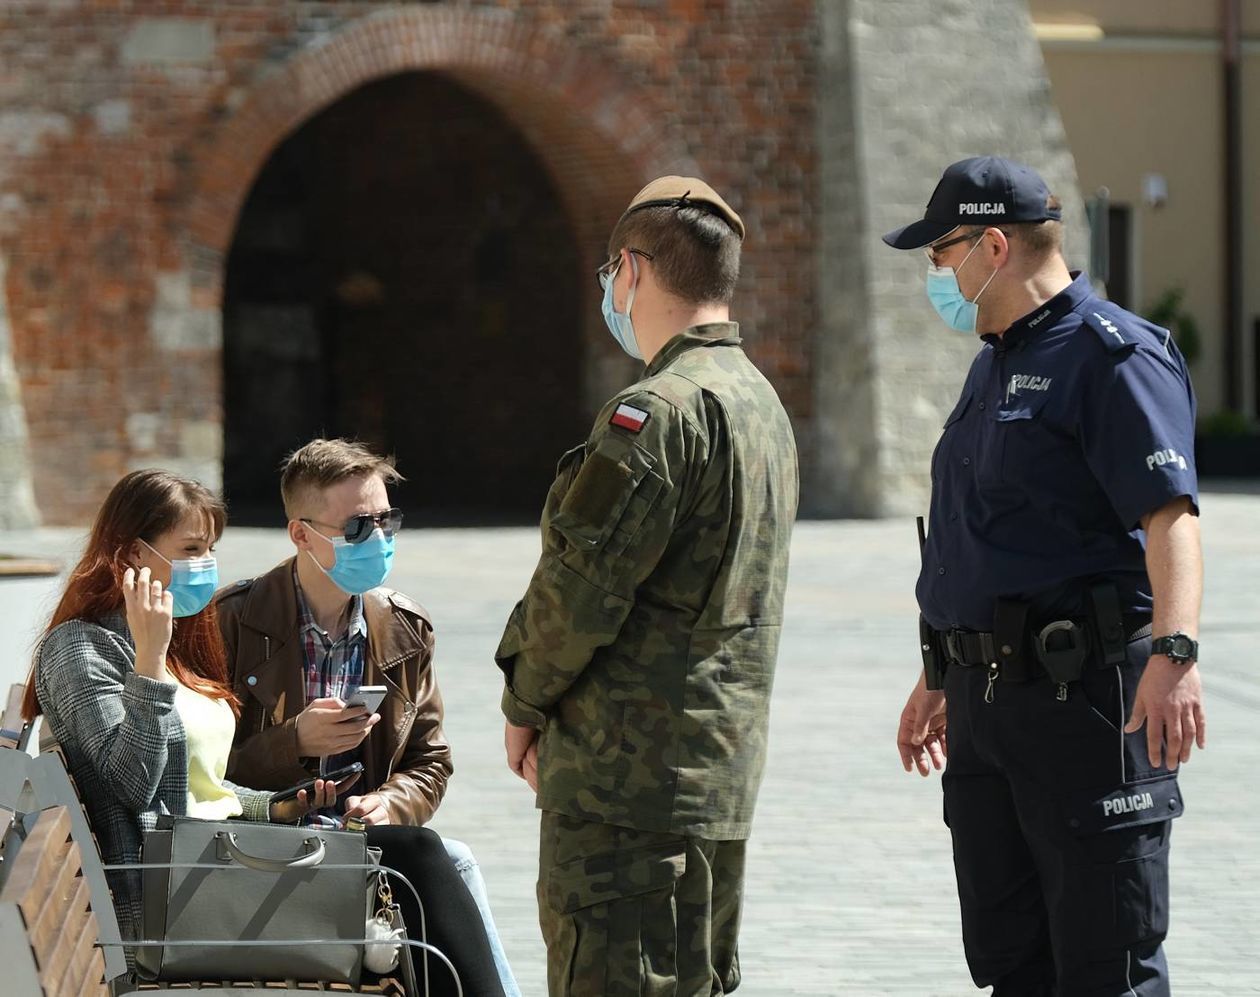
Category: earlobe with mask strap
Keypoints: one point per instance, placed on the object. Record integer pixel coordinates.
(947, 298)
(620, 325)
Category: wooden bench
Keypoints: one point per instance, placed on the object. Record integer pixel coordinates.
(51, 875)
(49, 933)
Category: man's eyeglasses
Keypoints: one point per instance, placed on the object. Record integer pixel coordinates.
(931, 251)
(606, 273)
(358, 528)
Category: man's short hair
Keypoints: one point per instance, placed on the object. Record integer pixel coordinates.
(321, 464)
(695, 253)
(1041, 239)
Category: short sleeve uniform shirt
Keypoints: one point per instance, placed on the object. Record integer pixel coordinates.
(1071, 427)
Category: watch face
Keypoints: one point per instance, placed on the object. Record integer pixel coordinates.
(1181, 646)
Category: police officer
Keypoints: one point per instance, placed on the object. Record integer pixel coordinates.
(1060, 595)
(639, 663)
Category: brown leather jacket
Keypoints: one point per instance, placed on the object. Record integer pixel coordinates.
(405, 758)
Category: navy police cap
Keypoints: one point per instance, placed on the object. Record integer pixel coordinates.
(986, 190)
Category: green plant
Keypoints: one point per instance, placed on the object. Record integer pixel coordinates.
(1168, 313)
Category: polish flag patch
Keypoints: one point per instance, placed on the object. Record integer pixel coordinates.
(629, 417)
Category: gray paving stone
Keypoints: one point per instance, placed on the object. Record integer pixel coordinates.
(850, 887)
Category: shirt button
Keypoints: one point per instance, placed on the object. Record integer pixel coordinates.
(966, 462)
(252, 680)
(982, 406)
(940, 571)
(953, 517)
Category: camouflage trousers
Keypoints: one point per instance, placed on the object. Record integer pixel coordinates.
(629, 913)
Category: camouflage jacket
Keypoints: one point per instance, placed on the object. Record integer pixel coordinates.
(645, 645)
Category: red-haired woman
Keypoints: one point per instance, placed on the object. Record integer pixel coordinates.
(131, 676)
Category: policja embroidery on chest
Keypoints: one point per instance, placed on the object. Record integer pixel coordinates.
(1027, 382)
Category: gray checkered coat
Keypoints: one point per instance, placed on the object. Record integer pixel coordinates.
(124, 744)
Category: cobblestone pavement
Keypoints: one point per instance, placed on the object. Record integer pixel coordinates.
(850, 887)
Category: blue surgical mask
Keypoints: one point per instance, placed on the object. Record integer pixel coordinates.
(948, 300)
(193, 582)
(620, 325)
(359, 567)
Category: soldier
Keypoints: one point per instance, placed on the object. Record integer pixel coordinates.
(1064, 530)
(638, 665)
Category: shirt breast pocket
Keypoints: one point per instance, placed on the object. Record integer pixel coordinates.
(1025, 441)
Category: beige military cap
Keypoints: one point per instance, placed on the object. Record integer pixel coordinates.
(681, 192)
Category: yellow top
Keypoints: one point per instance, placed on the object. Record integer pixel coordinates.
(209, 727)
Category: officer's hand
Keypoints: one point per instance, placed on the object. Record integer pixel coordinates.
(1169, 701)
(921, 733)
(517, 742)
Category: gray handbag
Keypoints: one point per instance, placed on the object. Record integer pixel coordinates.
(272, 882)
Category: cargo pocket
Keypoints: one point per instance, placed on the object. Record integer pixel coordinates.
(1125, 834)
(612, 493)
(618, 921)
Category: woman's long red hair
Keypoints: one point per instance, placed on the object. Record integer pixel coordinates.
(143, 506)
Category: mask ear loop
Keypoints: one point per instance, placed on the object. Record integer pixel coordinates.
(976, 299)
(311, 554)
(156, 551)
(634, 270)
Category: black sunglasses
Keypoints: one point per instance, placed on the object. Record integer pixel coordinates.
(359, 528)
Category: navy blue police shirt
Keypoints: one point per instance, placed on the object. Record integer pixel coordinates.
(1071, 427)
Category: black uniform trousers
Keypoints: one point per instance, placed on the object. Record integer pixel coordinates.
(1060, 830)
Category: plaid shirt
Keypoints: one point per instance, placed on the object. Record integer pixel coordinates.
(333, 667)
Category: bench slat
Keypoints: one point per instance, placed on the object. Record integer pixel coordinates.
(94, 984)
(59, 904)
(56, 965)
(28, 883)
(80, 946)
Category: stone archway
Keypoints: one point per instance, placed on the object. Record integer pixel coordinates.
(403, 272)
(596, 135)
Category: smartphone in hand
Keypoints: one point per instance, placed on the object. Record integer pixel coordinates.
(341, 774)
(368, 696)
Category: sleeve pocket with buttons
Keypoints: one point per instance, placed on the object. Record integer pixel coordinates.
(601, 494)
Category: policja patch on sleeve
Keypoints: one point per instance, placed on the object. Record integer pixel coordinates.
(630, 418)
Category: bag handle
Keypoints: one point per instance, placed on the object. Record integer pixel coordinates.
(314, 854)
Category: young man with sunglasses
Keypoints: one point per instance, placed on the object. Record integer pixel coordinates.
(303, 638)
(640, 661)
(1060, 593)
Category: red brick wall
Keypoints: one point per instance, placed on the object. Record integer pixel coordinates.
(121, 178)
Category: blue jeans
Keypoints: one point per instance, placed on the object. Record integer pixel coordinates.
(470, 873)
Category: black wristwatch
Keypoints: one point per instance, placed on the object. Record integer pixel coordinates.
(1177, 647)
